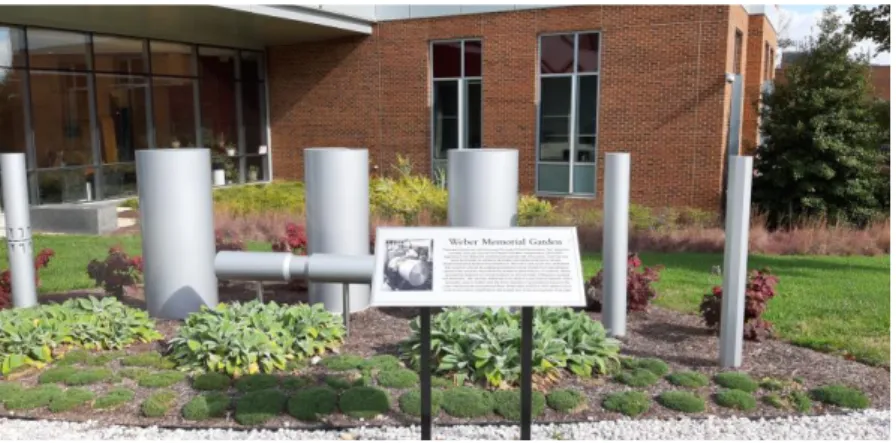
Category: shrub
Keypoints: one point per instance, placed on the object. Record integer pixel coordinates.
(735, 399)
(801, 401)
(70, 399)
(842, 396)
(312, 403)
(254, 337)
(760, 290)
(638, 378)
(41, 261)
(484, 346)
(629, 403)
(654, 365)
(532, 211)
(256, 382)
(56, 375)
(295, 240)
(211, 381)
(341, 362)
(205, 406)
(681, 401)
(149, 359)
(278, 196)
(364, 402)
(32, 398)
(398, 378)
(294, 382)
(565, 400)
(161, 379)
(158, 404)
(467, 402)
(257, 407)
(411, 402)
(639, 286)
(407, 197)
(381, 362)
(736, 380)
(688, 379)
(88, 377)
(117, 271)
(508, 404)
(114, 398)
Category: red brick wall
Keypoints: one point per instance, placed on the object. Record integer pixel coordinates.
(663, 92)
(761, 33)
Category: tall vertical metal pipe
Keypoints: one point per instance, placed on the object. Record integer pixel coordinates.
(177, 226)
(337, 217)
(617, 174)
(18, 230)
(483, 187)
(734, 275)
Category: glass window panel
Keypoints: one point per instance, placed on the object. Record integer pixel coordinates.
(445, 117)
(553, 178)
(555, 96)
(66, 185)
(554, 124)
(12, 110)
(446, 59)
(474, 114)
(12, 47)
(588, 52)
(254, 118)
(587, 99)
(117, 54)
(121, 116)
(174, 119)
(473, 58)
(557, 53)
(217, 62)
(171, 58)
(63, 50)
(219, 117)
(256, 167)
(585, 148)
(119, 180)
(738, 48)
(583, 179)
(61, 119)
(251, 66)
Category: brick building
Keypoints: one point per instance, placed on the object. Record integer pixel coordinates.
(676, 86)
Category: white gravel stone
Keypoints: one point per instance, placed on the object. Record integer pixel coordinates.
(865, 425)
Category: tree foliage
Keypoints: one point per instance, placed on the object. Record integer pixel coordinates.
(871, 22)
(821, 154)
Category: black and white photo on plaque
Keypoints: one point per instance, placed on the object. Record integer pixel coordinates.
(408, 265)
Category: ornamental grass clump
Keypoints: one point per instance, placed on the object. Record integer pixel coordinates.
(485, 346)
(508, 403)
(842, 396)
(312, 403)
(736, 380)
(565, 400)
(629, 403)
(688, 379)
(364, 402)
(735, 399)
(411, 402)
(681, 401)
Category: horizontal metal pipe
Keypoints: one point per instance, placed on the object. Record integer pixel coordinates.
(284, 266)
(339, 268)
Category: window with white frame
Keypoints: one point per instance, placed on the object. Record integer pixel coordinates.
(456, 68)
(569, 76)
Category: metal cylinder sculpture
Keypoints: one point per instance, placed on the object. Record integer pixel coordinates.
(734, 274)
(337, 217)
(483, 188)
(176, 220)
(617, 171)
(18, 230)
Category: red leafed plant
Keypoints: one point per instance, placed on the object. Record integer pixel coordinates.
(639, 288)
(295, 241)
(228, 240)
(41, 261)
(760, 289)
(117, 271)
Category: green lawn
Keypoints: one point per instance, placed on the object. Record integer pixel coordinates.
(826, 303)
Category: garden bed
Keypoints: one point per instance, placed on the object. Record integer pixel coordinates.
(680, 340)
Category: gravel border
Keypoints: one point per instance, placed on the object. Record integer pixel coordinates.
(865, 425)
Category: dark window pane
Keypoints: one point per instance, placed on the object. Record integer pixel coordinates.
(12, 111)
(553, 178)
(473, 58)
(174, 119)
(445, 98)
(557, 53)
(554, 119)
(117, 54)
(587, 99)
(119, 180)
(171, 58)
(738, 48)
(66, 185)
(121, 116)
(50, 49)
(216, 62)
(256, 165)
(12, 47)
(583, 179)
(61, 119)
(446, 60)
(251, 66)
(254, 118)
(217, 92)
(588, 52)
(445, 117)
(474, 114)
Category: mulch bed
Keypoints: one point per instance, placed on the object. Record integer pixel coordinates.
(678, 339)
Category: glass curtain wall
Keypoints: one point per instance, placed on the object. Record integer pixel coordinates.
(456, 99)
(567, 114)
(80, 105)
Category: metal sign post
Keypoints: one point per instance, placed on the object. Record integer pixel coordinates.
(526, 375)
(425, 376)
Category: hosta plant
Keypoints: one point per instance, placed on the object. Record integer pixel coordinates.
(253, 337)
(117, 272)
(485, 346)
(760, 290)
(639, 286)
(40, 262)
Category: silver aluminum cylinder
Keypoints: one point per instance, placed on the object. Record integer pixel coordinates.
(617, 170)
(259, 266)
(337, 217)
(734, 274)
(18, 230)
(483, 187)
(338, 268)
(177, 225)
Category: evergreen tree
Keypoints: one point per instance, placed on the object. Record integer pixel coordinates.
(821, 156)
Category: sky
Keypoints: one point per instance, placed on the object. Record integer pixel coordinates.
(802, 21)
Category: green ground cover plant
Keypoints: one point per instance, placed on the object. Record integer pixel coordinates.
(688, 379)
(565, 400)
(411, 402)
(681, 401)
(630, 403)
(364, 402)
(312, 403)
(114, 398)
